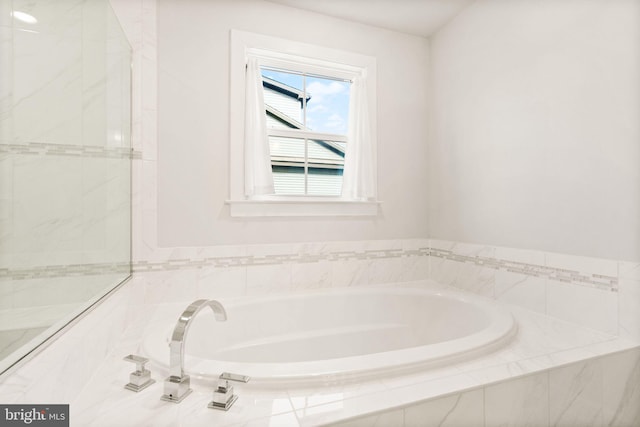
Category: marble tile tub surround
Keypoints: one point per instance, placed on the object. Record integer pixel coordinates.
(598, 293)
(463, 265)
(91, 377)
(540, 281)
(273, 268)
(603, 391)
(60, 371)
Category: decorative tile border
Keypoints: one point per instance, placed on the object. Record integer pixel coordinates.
(206, 262)
(71, 270)
(599, 281)
(72, 150)
(257, 260)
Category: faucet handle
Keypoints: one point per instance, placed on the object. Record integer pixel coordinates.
(235, 377)
(138, 360)
(223, 396)
(223, 386)
(141, 377)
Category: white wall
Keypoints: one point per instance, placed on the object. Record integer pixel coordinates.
(536, 127)
(193, 130)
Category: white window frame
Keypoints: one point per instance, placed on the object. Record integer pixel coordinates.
(301, 57)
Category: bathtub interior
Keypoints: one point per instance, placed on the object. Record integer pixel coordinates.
(316, 327)
(334, 336)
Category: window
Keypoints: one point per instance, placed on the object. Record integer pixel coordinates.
(302, 142)
(306, 119)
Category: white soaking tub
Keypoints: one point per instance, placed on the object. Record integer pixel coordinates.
(335, 336)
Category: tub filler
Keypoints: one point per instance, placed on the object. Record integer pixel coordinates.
(335, 336)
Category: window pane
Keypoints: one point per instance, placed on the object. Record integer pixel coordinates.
(327, 102)
(288, 180)
(303, 166)
(328, 107)
(287, 149)
(287, 165)
(283, 93)
(274, 122)
(293, 80)
(320, 151)
(325, 164)
(324, 182)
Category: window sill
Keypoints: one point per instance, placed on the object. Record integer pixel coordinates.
(289, 208)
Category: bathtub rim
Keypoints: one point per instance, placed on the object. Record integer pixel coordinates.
(501, 330)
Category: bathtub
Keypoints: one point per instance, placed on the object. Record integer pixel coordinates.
(335, 336)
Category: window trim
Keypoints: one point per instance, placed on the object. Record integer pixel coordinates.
(283, 53)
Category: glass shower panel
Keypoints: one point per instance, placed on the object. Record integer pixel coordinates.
(65, 165)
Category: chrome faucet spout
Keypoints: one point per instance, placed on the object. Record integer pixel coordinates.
(176, 360)
(177, 384)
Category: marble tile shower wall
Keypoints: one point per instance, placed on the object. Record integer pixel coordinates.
(64, 155)
(598, 293)
(62, 127)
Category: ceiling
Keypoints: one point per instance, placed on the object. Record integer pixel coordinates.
(417, 17)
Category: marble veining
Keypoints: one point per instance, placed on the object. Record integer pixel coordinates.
(621, 391)
(575, 394)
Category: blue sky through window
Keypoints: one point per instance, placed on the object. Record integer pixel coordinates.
(328, 108)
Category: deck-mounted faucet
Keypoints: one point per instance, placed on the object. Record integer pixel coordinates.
(177, 384)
